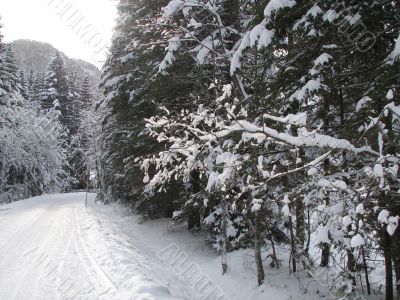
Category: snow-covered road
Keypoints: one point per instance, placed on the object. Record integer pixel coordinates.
(52, 247)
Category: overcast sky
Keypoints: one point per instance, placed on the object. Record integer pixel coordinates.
(79, 28)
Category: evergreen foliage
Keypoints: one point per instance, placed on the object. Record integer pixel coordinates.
(263, 122)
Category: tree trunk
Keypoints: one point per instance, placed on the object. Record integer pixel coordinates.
(325, 247)
(325, 255)
(351, 265)
(225, 241)
(292, 246)
(194, 219)
(366, 271)
(275, 260)
(301, 251)
(257, 249)
(396, 264)
(388, 265)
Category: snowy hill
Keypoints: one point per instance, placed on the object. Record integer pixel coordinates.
(35, 56)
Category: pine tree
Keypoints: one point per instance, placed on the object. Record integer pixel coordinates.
(24, 81)
(61, 92)
(86, 94)
(264, 122)
(37, 91)
(74, 101)
(32, 153)
(55, 82)
(129, 99)
(31, 82)
(9, 70)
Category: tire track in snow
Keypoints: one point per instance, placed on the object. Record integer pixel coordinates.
(104, 281)
(44, 248)
(86, 247)
(21, 229)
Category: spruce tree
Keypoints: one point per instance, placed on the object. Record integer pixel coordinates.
(9, 70)
(129, 99)
(86, 94)
(24, 81)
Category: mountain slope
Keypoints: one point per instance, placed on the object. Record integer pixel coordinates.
(34, 55)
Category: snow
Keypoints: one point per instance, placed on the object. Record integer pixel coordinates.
(311, 86)
(239, 283)
(104, 252)
(346, 221)
(395, 110)
(380, 143)
(363, 103)
(383, 216)
(313, 32)
(212, 180)
(235, 61)
(331, 46)
(312, 172)
(314, 11)
(172, 8)
(360, 209)
(330, 16)
(113, 82)
(286, 210)
(393, 222)
(353, 19)
(357, 241)
(322, 59)
(297, 119)
(204, 49)
(52, 247)
(256, 205)
(304, 137)
(338, 184)
(169, 58)
(286, 199)
(261, 36)
(390, 95)
(194, 23)
(275, 5)
(378, 170)
(394, 55)
(227, 92)
(323, 235)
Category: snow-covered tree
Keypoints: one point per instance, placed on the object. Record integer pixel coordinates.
(276, 122)
(291, 117)
(24, 82)
(32, 150)
(9, 79)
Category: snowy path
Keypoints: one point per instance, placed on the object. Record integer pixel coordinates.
(51, 247)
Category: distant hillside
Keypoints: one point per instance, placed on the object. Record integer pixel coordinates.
(33, 55)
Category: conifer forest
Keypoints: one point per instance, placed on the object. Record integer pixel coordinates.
(223, 149)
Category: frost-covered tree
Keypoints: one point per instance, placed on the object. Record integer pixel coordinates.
(24, 82)
(37, 90)
(293, 65)
(276, 122)
(86, 94)
(56, 87)
(130, 97)
(32, 153)
(9, 77)
(61, 91)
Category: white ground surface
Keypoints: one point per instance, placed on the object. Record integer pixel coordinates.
(51, 247)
